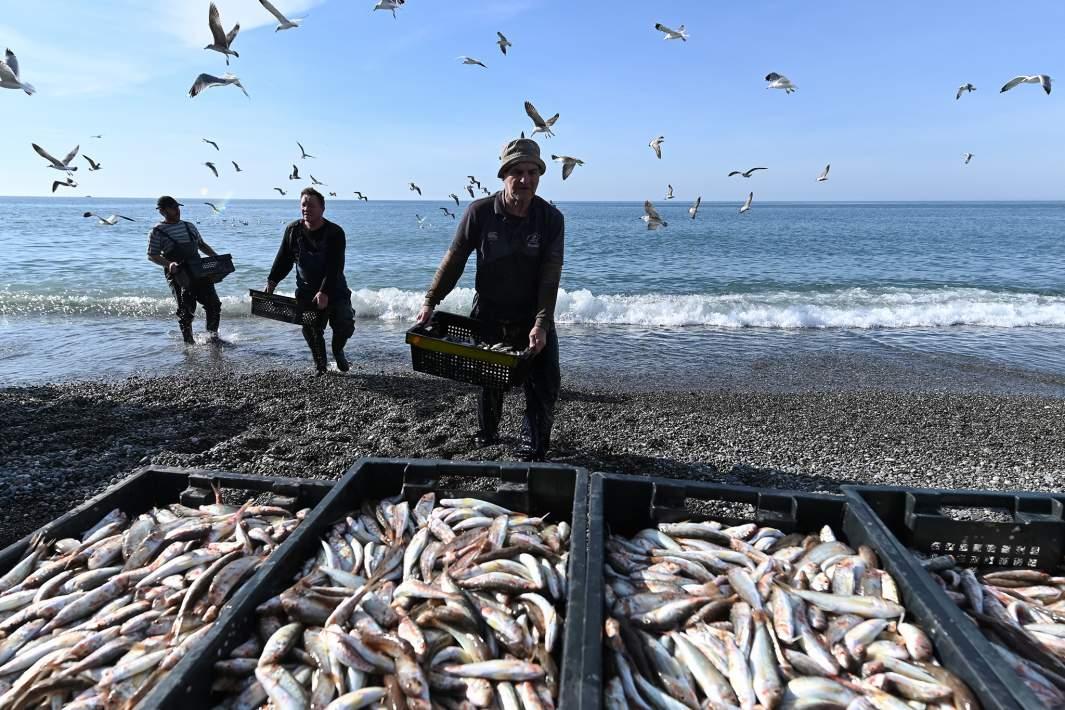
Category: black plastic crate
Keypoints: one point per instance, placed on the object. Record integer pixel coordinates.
(213, 268)
(159, 486)
(283, 308)
(625, 504)
(433, 354)
(1033, 538)
(559, 491)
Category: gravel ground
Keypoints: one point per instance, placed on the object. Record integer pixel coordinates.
(64, 443)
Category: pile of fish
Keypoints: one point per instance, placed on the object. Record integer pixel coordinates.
(447, 604)
(493, 347)
(1022, 613)
(96, 622)
(703, 615)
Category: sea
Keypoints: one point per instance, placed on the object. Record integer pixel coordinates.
(869, 292)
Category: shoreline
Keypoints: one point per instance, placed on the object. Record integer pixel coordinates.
(66, 442)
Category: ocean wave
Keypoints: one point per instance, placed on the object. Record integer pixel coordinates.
(862, 308)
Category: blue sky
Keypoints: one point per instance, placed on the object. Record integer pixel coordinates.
(382, 102)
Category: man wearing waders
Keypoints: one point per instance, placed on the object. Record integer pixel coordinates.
(316, 247)
(519, 241)
(171, 244)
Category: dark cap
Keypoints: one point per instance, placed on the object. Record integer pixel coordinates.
(521, 150)
(167, 201)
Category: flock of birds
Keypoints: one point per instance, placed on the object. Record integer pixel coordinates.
(222, 42)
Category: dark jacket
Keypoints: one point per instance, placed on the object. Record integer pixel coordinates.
(318, 257)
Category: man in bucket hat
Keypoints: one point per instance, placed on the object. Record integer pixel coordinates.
(519, 240)
(171, 243)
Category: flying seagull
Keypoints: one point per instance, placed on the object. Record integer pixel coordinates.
(679, 33)
(316, 181)
(651, 216)
(213, 207)
(962, 89)
(389, 5)
(422, 224)
(69, 182)
(669, 192)
(503, 42)
(542, 126)
(206, 81)
(469, 189)
(9, 76)
(295, 173)
(93, 165)
(745, 173)
(568, 163)
(361, 196)
(747, 203)
(695, 206)
(332, 194)
(281, 191)
(1041, 79)
(824, 174)
(236, 167)
(110, 220)
(455, 198)
(471, 60)
(656, 145)
(448, 212)
(303, 153)
(208, 140)
(474, 181)
(96, 136)
(221, 41)
(57, 165)
(967, 156)
(212, 167)
(415, 188)
(779, 81)
(285, 23)
(485, 191)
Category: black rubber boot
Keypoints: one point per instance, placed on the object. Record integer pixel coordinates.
(186, 333)
(338, 354)
(316, 341)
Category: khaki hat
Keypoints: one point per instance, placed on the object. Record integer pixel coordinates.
(520, 150)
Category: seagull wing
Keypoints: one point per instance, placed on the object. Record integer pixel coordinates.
(734, 172)
(695, 206)
(12, 62)
(215, 23)
(232, 34)
(662, 28)
(961, 90)
(213, 168)
(128, 219)
(567, 168)
(92, 163)
(71, 155)
(46, 155)
(235, 166)
(652, 213)
(211, 205)
(1044, 81)
(748, 173)
(6, 72)
(535, 115)
(747, 202)
(204, 81)
(1012, 83)
(551, 121)
(274, 11)
(773, 76)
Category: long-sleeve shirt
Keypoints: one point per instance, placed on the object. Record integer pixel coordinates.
(318, 257)
(519, 260)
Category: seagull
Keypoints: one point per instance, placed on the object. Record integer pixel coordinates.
(208, 140)
(455, 198)
(415, 188)
(485, 191)
(221, 41)
(286, 24)
(93, 165)
(779, 81)
(651, 216)
(669, 192)
(303, 153)
(69, 182)
(469, 189)
(1041, 79)
(213, 207)
(9, 76)
(422, 224)
(656, 145)
(747, 203)
(474, 181)
(332, 194)
(110, 221)
(361, 196)
(281, 191)
(316, 181)
(389, 5)
(295, 173)
(962, 89)
(212, 167)
(542, 126)
(448, 212)
(65, 165)
(503, 42)
(679, 33)
(206, 81)
(236, 167)
(824, 174)
(96, 136)
(967, 156)
(746, 173)
(695, 206)
(568, 163)
(471, 60)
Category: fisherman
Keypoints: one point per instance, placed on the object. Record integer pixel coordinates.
(171, 244)
(316, 247)
(519, 240)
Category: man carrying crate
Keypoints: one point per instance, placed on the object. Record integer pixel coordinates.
(519, 240)
(171, 243)
(316, 247)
